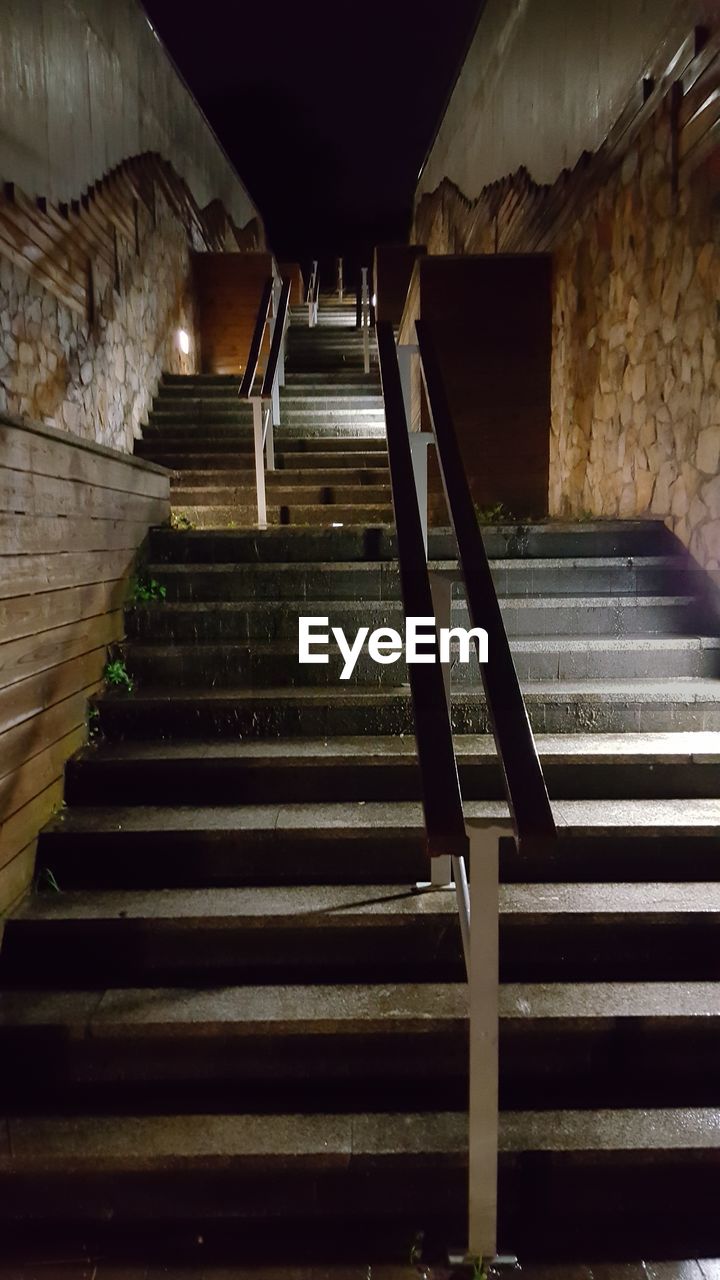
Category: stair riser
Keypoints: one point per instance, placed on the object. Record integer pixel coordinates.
(569, 1205)
(662, 1062)
(370, 545)
(292, 474)
(228, 666)
(179, 718)
(381, 582)
(179, 435)
(327, 514)
(549, 948)
(166, 406)
(201, 781)
(242, 465)
(291, 494)
(162, 953)
(200, 859)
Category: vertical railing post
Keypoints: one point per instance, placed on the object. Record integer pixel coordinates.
(257, 406)
(312, 299)
(483, 985)
(366, 320)
(340, 279)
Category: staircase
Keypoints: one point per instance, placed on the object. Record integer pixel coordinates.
(238, 1032)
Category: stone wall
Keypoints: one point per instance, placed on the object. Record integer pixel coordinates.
(636, 373)
(635, 235)
(96, 377)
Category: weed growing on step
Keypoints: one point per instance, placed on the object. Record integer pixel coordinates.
(497, 513)
(180, 522)
(143, 590)
(117, 675)
(46, 880)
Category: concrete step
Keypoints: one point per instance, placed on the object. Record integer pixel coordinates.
(550, 658)
(192, 611)
(295, 490)
(215, 1174)
(516, 579)
(565, 543)
(184, 399)
(360, 1046)
(627, 766)
(561, 706)
(290, 469)
(180, 433)
(329, 514)
(202, 412)
(364, 843)
(619, 932)
(338, 462)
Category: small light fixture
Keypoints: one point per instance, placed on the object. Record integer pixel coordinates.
(184, 341)
(337, 524)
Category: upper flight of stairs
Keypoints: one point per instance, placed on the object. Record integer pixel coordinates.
(330, 452)
(239, 1022)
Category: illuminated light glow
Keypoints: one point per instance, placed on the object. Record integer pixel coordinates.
(184, 341)
(374, 299)
(336, 524)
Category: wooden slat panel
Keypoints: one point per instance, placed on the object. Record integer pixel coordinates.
(38, 772)
(47, 534)
(15, 878)
(22, 701)
(18, 830)
(23, 575)
(29, 655)
(37, 495)
(41, 731)
(48, 452)
(32, 614)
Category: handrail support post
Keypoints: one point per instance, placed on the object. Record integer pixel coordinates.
(366, 320)
(257, 406)
(483, 980)
(419, 441)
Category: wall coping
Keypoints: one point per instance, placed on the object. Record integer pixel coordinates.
(78, 442)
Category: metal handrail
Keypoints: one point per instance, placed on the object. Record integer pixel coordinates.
(441, 798)
(266, 401)
(439, 782)
(313, 295)
(276, 345)
(246, 386)
(523, 778)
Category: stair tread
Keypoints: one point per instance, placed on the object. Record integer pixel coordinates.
(335, 1141)
(393, 1009)
(521, 644)
(321, 906)
(624, 748)
(574, 816)
(686, 688)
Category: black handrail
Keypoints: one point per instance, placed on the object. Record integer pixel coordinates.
(276, 344)
(440, 785)
(246, 385)
(523, 778)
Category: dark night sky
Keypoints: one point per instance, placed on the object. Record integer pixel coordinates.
(326, 110)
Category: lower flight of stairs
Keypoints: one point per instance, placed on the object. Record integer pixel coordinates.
(240, 1023)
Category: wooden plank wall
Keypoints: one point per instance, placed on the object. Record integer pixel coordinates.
(490, 316)
(72, 516)
(228, 288)
(292, 271)
(392, 269)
